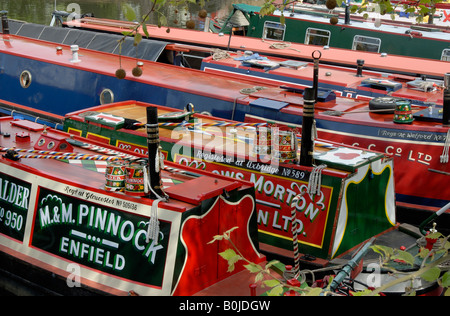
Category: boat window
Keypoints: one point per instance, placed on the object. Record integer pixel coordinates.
(274, 31)
(106, 97)
(25, 79)
(366, 43)
(445, 55)
(317, 37)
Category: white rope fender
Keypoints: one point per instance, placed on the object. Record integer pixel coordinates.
(315, 180)
(445, 153)
(153, 223)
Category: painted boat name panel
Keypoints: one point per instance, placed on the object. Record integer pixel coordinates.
(100, 237)
(14, 201)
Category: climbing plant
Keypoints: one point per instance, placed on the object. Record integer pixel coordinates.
(430, 269)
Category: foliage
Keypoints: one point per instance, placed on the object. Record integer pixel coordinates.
(420, 8)
(429, 268)
(156, 7)
(262, 273)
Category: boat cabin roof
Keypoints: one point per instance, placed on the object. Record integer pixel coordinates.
(221, 137)
(331, 55)
(288, 71)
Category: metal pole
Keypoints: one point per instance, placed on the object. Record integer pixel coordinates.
(316, 57)
(432, 217)
(309, 100)
(307, 144)
(153, 141)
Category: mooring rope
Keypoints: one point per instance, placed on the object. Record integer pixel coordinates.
(219, 54)
(282, 45)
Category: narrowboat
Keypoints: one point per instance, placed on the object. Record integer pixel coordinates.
(192, 45)
(354, 83)
(316, 29)
(239, 151)
(36, 74)
(244, 151)
(78, 217)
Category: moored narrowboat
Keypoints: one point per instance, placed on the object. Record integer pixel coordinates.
(417, 146)
(79, 217)
(332, 217)
(316, 29)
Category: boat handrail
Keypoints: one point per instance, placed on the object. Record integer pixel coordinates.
(432, 217)
(106, 22)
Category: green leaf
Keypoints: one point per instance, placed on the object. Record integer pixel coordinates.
(271, 263)
(259, 277)
(231, 256)
(228, 232)
(435, 235)
(404, 256)
(382, 250)
(253, 268)
(163, 20)
(446, 279)
(216, 238)
(431, 274)
(144, 28)
(272, 283)
(314, 291)
(137, 39)
(276, 291)
(423, 254)
(228, 254)
(128, 11)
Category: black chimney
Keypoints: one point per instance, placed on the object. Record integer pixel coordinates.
(307, 144)
(5, 25)
(359, 69)
(153, 141)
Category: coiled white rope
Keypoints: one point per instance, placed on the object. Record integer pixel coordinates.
(315, 180)
(153, 223)
(445, 153)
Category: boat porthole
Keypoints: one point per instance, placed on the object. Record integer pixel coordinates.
(41, 142)
(51, 145)
(106, 97)
(25, 79)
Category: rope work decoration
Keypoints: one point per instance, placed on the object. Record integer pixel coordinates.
(445, 152)
(153, 223)
(314, 184)
(315, 180)
(72, 157)
(295, 233)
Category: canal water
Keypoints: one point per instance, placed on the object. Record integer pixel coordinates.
(40, 11)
